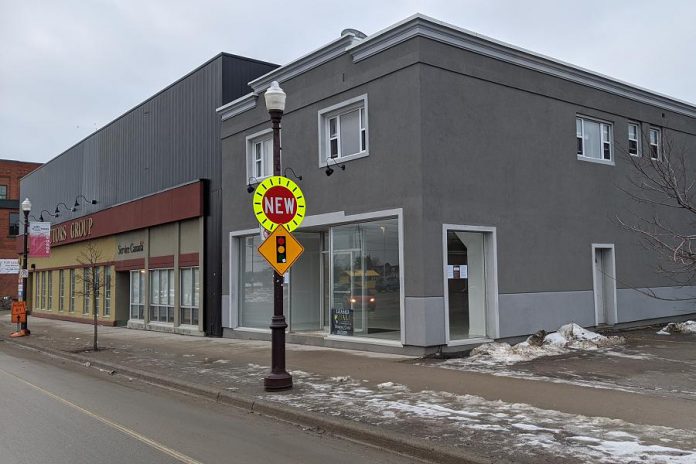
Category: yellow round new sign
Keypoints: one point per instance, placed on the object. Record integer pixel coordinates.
(278, 200)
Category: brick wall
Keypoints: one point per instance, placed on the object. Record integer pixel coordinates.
(10, 174)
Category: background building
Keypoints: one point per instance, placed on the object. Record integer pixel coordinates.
(166, 145)
(479, 199)
(10, 173)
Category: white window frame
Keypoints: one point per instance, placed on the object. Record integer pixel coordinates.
(85, 290)
(195, 298)
(657, 131)
(251, 142)
(637, 139)
(61, 290)
(136, 301)
(49, 291)
(335, 111)
(107, 291)
(170, 304)
(602, 124)
(71, 303)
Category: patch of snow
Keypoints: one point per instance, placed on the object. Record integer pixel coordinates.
(391, 386)
(641, 452)
(568, 337)
(222, 361)
(621, 354)
(688, 327)
(533, 428)
(342, 378)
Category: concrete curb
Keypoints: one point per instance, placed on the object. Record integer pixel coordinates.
(369, 434)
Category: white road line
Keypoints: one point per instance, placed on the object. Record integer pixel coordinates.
(131, 433)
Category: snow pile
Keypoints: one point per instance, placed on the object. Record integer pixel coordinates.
(574, 336)
(688, 327)
(496, 353)
(569, 336)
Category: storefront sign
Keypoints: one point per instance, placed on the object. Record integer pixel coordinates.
(278, 200)
(133, 247)
(341, 321)
(9, 266)
(39, 239)
(81, 228)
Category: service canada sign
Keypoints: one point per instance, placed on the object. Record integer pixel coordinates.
(278, 200)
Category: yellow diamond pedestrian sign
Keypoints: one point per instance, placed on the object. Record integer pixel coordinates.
(281, 249)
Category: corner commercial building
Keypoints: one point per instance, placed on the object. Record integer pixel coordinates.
(144, 193)
(479, 197)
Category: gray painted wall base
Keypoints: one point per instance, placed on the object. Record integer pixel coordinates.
(525, 313)
(226, 311)
(634, 305)
(424, 321)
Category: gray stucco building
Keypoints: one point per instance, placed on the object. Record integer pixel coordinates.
(479, 199)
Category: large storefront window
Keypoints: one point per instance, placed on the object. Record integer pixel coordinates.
(107, 290)
(85, 290)
(162, 295)
(61, 290)
(97, 289)
(365, 291)
(347, 282)
(71, 306)
(190, 289)
(137, 300)
(256, 286)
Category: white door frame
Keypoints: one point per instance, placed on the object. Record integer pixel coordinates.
(490, 252)
(612, 315)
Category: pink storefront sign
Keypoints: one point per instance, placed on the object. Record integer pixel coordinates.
(39, 239)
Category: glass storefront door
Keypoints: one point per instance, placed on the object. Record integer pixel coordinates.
(466, 284)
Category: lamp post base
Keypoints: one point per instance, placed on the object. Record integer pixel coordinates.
(278, 381)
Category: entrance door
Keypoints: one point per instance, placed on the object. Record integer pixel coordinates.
(466, 284)
(604, 284)
(349, 286)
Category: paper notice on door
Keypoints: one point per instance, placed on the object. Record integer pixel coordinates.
(457, 271)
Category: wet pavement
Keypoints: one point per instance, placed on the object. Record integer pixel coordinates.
(622, 404)
(661, 365)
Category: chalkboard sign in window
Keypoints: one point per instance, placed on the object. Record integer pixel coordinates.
(341, 321)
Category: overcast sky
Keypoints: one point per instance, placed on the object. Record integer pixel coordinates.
(70, 67)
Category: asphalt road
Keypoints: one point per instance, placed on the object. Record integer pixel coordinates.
(52, 411)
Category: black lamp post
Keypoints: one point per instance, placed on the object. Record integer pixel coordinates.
(278, 379)
(26, 208)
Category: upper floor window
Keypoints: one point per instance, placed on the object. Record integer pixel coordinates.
(655, 136)
(633, 139)
(260, 155)
(14, 224)
(594, 140)
(343, 131)
(3, 192)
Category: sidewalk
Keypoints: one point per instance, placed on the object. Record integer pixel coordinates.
(395, 401)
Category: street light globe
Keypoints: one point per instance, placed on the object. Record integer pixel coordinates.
(275, 98)
(26, 205)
